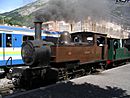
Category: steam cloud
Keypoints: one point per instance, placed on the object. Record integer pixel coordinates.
(74, 10)
(78, 10)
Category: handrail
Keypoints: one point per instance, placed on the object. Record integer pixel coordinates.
(9, 59)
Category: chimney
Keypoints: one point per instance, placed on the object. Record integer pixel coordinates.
(38, 26)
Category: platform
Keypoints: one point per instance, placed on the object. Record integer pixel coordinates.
(113, 83)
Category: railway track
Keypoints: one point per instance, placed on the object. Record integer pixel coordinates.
(7, 87)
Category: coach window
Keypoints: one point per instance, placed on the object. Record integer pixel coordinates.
(25, 38)
(8, 40)
(0, 40)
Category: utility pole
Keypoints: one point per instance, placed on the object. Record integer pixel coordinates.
(3, 19)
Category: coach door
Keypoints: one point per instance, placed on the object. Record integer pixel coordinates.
(8, 47)
(1, 50)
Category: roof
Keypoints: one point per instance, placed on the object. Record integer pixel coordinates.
(88, 33)
(11, 28)
(52, 32)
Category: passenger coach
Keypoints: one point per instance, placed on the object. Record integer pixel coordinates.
(11, 39)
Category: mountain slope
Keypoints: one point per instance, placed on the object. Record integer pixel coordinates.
(24, 15)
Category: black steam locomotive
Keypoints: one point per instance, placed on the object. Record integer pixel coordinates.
(70, 56)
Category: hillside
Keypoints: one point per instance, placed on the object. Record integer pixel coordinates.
(24, 15)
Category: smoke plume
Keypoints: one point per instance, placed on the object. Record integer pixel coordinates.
(74, 10)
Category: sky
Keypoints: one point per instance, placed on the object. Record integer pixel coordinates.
(9, 5)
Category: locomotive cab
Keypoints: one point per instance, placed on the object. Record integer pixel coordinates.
(84, 47)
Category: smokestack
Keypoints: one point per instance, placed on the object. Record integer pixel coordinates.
(38, 26)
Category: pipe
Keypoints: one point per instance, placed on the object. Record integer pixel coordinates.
(38, 26)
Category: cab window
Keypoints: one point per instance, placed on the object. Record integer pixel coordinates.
(0, 40)
(25, 38)
(116, 44)
(100, 41)
(89, 40)
(77, 39)
(8, 40)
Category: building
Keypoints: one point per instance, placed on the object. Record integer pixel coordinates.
(112, 30)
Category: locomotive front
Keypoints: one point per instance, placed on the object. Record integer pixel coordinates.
(36, 56)
(37, 52)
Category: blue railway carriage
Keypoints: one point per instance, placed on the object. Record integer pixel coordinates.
(11, 39)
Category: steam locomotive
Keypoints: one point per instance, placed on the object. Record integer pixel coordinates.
(70, 56)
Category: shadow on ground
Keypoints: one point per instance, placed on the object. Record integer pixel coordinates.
(71, 90)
